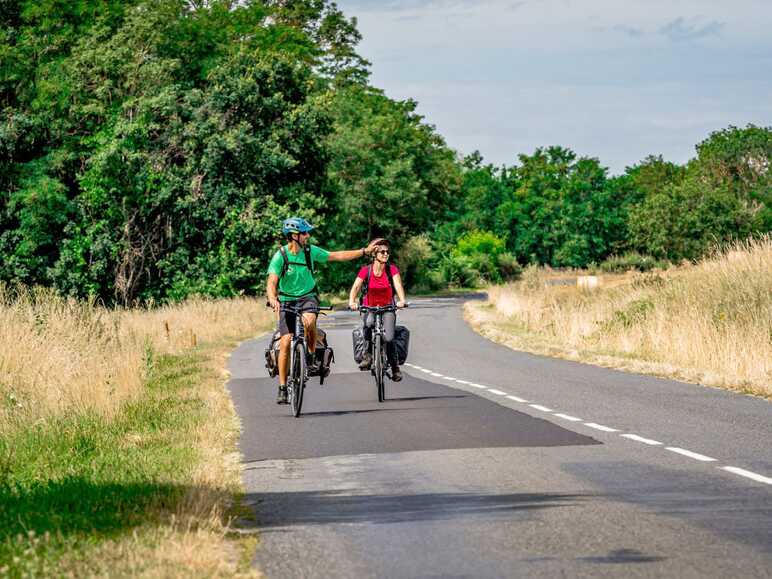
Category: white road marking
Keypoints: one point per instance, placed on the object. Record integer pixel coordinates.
(600, 427)
(637, 438)
(568, 417)
(747, 474)
(690, 454)
(682, 451)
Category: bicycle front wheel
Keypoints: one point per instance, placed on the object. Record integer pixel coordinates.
(379, 369)
(298, 378)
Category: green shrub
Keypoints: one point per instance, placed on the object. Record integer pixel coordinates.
(631, 260)
(509, 268)
(480, 242)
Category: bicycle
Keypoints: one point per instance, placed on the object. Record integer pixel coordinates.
(380, 367)
(298, 372)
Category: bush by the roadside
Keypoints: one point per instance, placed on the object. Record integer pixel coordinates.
(631, 261)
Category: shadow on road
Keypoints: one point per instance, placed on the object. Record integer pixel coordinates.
(325, 507)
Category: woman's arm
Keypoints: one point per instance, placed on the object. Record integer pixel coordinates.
(352, 296)
(400, 290)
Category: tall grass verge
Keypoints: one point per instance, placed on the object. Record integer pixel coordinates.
(117, 437)
(710, 322)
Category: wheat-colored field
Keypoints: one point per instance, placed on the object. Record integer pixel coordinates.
(65, 360)
(60, 354)
(710, 322)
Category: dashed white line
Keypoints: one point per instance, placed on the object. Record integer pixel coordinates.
(568, 417)
(690, 454)
(637, 438)
(682, 451)
(600, 427)
(747, 474)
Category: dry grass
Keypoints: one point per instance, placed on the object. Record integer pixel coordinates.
(63, 359)
(709, 323)
(63, 355)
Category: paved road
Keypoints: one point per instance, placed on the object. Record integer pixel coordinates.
(485, 462)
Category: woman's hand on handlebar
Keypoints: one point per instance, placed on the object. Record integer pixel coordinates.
(353, 306)
(401, 304)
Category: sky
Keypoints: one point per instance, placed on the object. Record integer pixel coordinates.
(612, 79)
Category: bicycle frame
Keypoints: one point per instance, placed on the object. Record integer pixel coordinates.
(380, 367)
(297, 374)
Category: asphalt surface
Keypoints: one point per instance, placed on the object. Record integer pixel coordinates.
(456, 479)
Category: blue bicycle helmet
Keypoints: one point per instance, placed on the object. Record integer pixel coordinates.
(295, 225)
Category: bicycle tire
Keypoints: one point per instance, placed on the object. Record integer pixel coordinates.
(298, 378)
(378, 362)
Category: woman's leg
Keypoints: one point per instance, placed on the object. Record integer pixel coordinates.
(389, 323)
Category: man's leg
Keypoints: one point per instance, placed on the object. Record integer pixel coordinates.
(309, 321)
(284, 354)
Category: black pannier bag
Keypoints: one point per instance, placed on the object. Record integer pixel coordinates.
(358, 339)
(324, 354)
(272, 355)
(401, 343)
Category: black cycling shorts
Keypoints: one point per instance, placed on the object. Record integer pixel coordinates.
(287, 319)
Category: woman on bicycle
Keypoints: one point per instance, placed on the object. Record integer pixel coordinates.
(382, 280)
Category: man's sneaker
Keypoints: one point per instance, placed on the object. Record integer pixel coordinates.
(366, 362)
(396, 373)
(282, 397)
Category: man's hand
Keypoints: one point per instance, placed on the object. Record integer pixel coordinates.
(373, 244)
(274, 303)
(353, 306)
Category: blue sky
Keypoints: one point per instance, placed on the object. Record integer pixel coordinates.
(613, 79)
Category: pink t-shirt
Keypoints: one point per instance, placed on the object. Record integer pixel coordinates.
(378, 290)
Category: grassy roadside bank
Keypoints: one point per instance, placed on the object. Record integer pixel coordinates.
(117, 450)
(709, 323)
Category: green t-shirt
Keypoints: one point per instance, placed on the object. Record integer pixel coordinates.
(298, 281)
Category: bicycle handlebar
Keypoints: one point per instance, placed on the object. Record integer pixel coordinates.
(297, 310)
(379, 309)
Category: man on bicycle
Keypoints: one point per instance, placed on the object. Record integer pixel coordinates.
(383, 285)
(291, 281)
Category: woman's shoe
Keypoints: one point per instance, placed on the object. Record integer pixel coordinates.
(396, 373)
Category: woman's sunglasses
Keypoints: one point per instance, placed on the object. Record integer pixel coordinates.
(382, 252)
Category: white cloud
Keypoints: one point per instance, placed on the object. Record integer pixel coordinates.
(616, 79)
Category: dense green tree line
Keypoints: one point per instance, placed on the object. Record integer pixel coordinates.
(150, 148)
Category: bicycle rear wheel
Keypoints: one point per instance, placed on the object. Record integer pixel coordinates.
(378, 362)
(298, 378)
